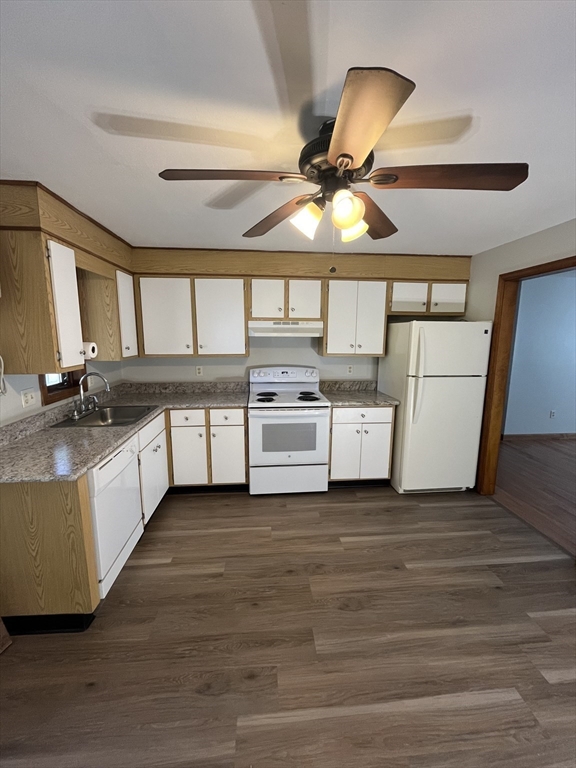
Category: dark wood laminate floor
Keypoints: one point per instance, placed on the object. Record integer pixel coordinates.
(537, 481)
(354, 629)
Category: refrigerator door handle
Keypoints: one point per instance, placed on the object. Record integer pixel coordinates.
(421, 351)
(419, 397)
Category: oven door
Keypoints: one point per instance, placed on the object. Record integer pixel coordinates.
(288, 436)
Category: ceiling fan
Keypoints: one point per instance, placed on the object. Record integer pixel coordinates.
(342, 155)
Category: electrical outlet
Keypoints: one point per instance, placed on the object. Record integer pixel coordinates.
(350, 370)
(28, 398)
(199, 371)
(552, 414)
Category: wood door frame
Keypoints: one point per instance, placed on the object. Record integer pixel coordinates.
(499, 368)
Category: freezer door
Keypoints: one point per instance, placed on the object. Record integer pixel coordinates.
(441, 433)
(449, 349)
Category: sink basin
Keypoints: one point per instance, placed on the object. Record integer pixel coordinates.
(113, 416)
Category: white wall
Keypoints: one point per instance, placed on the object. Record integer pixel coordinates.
(548, 245)
(11, 403)
(543, 370)
(263, 351)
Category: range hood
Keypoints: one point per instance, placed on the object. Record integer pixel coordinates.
(285, 328)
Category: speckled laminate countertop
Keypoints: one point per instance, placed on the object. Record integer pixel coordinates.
(55, 454)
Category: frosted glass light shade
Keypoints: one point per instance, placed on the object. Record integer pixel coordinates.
(347, 210)
(307, 219)
(353, 232)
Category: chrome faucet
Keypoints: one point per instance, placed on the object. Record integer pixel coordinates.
(92, 405)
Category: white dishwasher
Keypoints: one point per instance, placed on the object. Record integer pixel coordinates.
(114, 486)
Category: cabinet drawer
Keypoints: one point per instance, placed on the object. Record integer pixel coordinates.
(221, 417)
(188, 418)
(150, 431)
(361, 415)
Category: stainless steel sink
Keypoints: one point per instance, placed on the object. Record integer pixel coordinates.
(113, 416)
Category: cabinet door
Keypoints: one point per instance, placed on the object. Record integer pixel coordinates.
(66, 305)
(153, 474)
(189, 456)
(220, 319)
(371, 317)
(127, 314)
(409, 297)
(345, 457)
(228, 454)
(305, 299)
(375, 457)
(341, 325)
(267, 299)
(166, 315)
(448, 297)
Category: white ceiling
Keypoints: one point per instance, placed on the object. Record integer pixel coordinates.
(67, 65)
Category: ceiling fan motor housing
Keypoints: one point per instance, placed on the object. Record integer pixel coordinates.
(313, 162)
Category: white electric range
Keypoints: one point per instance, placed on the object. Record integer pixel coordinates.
(289, 430)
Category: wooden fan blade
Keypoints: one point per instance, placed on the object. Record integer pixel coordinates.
(278, 216)
(205, 174)
(495, 176)
(379, 225)
(370, 99)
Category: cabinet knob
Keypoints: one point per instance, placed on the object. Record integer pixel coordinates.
(213, 434)
(435, 303)
(423, 303)
(359, 346)
(351, 346)
(279, 309)
(365, 431)
(357, 431)
(186, 418)
(201, 346)
(292, 309)
(155, 450)
(159, 446)
(363, 415)
(199, 434)
(187, 346)
(82, 352)
(126, 347)
(225, 418)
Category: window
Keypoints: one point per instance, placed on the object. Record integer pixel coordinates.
(59, 386)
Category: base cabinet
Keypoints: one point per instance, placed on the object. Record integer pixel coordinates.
(361, 443)
(154, 483)
(205, 455)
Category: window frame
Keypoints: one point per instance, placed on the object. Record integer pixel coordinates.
(57, 392)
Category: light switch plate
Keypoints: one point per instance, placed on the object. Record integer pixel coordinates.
(28, 398)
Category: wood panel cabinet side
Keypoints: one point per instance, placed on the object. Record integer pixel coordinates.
(27, 330)
(19, 205)
(100, 314)
(49, 562)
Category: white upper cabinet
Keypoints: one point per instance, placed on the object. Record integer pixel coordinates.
(370, 318)
(166, 315)
(356, 317)
(127, 314)
(267, 299)
(220, 316)
(66, 305)
(448, 297)
(341, 325)
(305, 299)
(409, 297)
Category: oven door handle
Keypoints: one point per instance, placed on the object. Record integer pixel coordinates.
(261, 413)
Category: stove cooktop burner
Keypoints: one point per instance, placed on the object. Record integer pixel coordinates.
(308, 398)
(312, 394)
(268, 394)
(264, 399)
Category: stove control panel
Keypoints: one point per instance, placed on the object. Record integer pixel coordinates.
(294, 374)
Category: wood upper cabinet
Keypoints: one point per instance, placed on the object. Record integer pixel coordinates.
(220, 316)
(166, 304)
(356, 322)
(282, 299)
(127, 314)
(305, 299)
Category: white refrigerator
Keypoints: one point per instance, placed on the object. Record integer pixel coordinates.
(438, 372)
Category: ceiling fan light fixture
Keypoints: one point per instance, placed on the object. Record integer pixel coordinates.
(308, 218)
(351, 233)
(347, 209)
